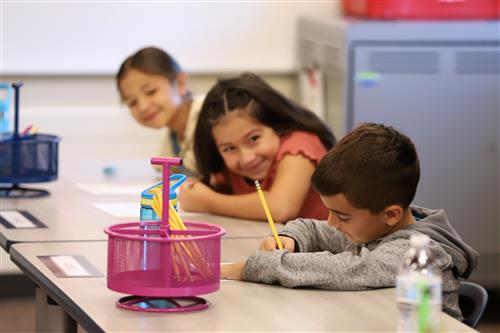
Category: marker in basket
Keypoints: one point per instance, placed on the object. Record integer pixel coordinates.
(27, 130)
(30, 130)
(268, 214)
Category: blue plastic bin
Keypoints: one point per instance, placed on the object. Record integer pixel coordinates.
(147, 212)
(5, 108)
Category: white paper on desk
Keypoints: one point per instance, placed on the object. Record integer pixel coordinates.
(120, 209)
(114, 188)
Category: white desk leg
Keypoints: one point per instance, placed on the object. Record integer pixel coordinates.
(50, 317)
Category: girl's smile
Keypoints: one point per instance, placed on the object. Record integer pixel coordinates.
(248, 147)
(150, 116)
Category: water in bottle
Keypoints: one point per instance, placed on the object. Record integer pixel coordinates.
(418, 289)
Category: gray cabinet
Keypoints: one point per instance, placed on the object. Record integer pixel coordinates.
(450, 109)
(438, 82)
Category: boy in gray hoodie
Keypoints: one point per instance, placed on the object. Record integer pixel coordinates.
(367, 182)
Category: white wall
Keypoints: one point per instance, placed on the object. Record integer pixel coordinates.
(92, 37)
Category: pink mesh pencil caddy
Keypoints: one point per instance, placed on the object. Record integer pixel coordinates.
(162, 267)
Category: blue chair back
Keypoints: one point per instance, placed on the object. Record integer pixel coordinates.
(472, 300)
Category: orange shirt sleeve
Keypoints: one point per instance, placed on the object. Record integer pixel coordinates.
(307, 144)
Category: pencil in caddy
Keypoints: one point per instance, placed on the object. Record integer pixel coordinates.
(150, 196)
(164, 264)
(26, 158)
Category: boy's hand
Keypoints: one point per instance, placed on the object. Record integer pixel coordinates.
(233, 271)
(269, 244)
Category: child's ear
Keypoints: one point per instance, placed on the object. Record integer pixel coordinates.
(393, 214)
(181, 81)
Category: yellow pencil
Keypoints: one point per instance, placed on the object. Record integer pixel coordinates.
(268, 214)
(182, 249)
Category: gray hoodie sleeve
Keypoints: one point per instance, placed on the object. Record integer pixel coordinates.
(314, 235)
(325, 270)
(327, 260)
(324, 261)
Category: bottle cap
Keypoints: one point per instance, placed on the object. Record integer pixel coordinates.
(419, 240)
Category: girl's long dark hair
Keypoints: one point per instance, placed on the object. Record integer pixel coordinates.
(270, 107)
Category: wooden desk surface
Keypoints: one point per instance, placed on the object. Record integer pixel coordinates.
(69, 214)
(236, 306)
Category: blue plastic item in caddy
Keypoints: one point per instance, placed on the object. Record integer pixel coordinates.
(4, 109)
(147, 212)
(26, 159)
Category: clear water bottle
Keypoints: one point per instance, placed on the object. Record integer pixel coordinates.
(418, 289)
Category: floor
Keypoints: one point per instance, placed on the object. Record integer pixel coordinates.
(17, 314)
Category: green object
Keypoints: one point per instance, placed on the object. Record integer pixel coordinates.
(368, 76)
(424, 306)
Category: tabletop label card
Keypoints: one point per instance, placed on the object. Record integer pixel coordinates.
(68, 266)
(18, 219)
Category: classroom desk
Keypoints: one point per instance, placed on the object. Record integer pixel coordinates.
(236, 306)
(69, 214)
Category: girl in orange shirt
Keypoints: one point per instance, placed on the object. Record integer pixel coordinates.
(249, 131)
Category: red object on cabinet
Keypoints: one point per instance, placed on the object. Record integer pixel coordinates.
(423, 9)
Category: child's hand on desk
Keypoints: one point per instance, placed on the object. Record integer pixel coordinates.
(193, 196)
(269, 244)
(233, 271)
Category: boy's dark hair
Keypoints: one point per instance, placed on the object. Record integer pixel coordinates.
(249, 93)
(374, 166)
(150, 60)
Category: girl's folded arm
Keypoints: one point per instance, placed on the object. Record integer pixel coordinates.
(285, 198)
(290, 187)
